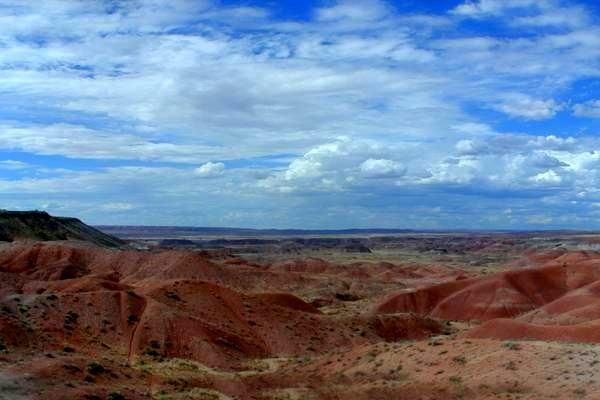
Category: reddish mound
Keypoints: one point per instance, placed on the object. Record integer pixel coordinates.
(503, 295)
(422, 301)
(508, 329)
(286, 300)
(311, 265)
(31, 259)
(540, 258)
(576, 307)
(157, 322)
(394, 328)
(557, 301)
(172, 304)
(382, 270)
(332, 283)
(573, 317)
(44, 262)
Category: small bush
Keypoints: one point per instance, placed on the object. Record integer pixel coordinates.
(70, 319)
(173, 296)
(72, 368)
(95, 369)
(511, 366)
(460, 360)
(512, 346)
(152, 353)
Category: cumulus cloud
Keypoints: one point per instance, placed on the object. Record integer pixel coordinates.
(548, 177)
(470, 147)
(381, 168)
(337, 166)
(303, 168)
(514, 165)
(500, 163)
(544, 160)
(339, 173)
(210, 170)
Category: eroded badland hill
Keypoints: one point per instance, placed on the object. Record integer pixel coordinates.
(79, 320)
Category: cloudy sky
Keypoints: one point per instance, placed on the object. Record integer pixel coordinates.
(310, 114)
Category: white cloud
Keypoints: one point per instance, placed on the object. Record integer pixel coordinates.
(210, 170)
(340, 173)
(293, 87)
(548, 177)
(570, 17)
(117, 207)
(362, 10)
(515, 164)
(532, 13)
(523, 106)
(496, 163)
(479, 8)
(470, 147)
(473, 128)
(303, 168)
(80, 142)
(540, 220)
(589, 109)
(381, 168)
(14, 165)
(543, 160)
(336, 166)
(355, 93)
(552, 142)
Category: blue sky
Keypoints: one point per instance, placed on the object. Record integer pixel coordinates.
(310, 114)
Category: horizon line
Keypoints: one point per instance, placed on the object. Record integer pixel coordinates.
(391, 230)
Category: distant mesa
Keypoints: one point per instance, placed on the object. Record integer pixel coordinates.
(41, 226)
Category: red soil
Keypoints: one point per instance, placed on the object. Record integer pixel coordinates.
(173, 303)
(177, 321)
(504, 295)
(558, 301)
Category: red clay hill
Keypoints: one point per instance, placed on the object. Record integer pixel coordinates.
(557, 300)
(81, 320)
